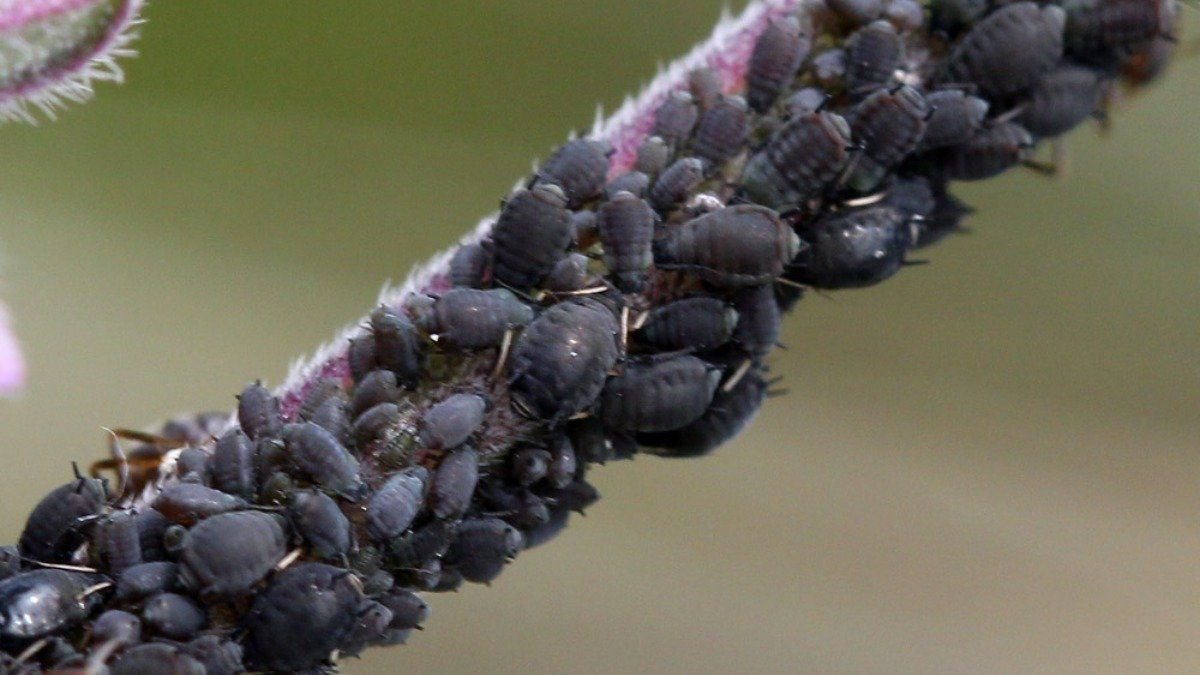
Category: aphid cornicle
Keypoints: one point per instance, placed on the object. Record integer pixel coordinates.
(374, 424)
(1061, 100)
(224, 556)
(232, 467)
(397, 345)
(320, 522)
(696, 323)
(54, 529)
(726, 415)
(531, 234)
(626, 226)
(873, 54)
(852, 249)
(173, 616)
(1008, 50)
(146, 579)
(743, 245)
(482, 547)
(188, 503)
(759, 320)
(454, 483)
(676, 183)
(990, 152)
(579, 167)
(301, 618)
(721, 132)
(44, 602)
(887, 126)
(467, 266)
(258, 411)
(394, 505)
(467, 318)
(801, 160)
(317, 453)
(658, 395)
(450, 422)
(675, 119)
(558, 365)
(955, 117)
(778, 53)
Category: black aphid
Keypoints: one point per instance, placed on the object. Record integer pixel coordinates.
(658, 395)
(741, 245)
(146, 579)
(44, 602)
(258, 411)
(375, 424)
(778, 53)
(695, 323)
(117, 627)
(563, 463)
(467, 318)
(450, 422)
(317, 519)
(318, 454)
(726, 415)
(635, 183)
(721, 132)
(675, 119)
(653, 155)
(626, 226)
(157, 658)
(955, 117)
(1008, 50)
(886, 126)
(115, 542)
(187, 503)
(759, 320)
(856, 12)
(394, 506)
(676, 183)
(853, 249)
(454, 483)
(529, 465)
(301, 618)
(579, 167)
(482, 547)
(54, 528)
(873, 54)
(569, 274)
(360, 357)
(397, 345)
(800, 161)
(1061, 100)
(379, 386)
(990, 152)
(224, 556)
(333, 415)
(468, 265)
(173, 616)
(531, 234)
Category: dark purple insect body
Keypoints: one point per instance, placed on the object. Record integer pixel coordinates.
(626, 227)
(375, 424)
(318, 454)
(231, 468)
(466, 318)
(563, 463)
(54, 528)
(990, 152)
(218, 656)
(157, 659)
(370, 624)
(1008, 50)
(805, 101)
(955, 117)
(697, 323)
(224, 556)
(304, 614)
(852, 249)
(321, 391)
(579, 167)
(146, 579)
(658, 395)
(905, 15)
(397, 345)
(151, 527)
(569, 274)
(1099, 30)
(1061, 100)
(759, 320)
(173, 616)
(530, 236)
(558, 365)
(191, 464)
(188, 503)
(451, 422)
(635, 183)
(333, 415)
(321, 523)
(258, 411)
(802, 158)
(117, 627)
(743, 245)
(408, 609)
(944, 218)
(653, 155)
(778, 53)
(856, 12)
(379, 386)
(873, 54)
(423, 545)
(529, 465)
(829, 67)
(454, 483)
(482, 547)
(705, 86)
(676, 183)
(887, 126)
(44, 602)
(361, 357)
(675, 119)
(951, 17)
(468, 265)
(726, 415)
(394, 506)
(115, 542)
(721, 132)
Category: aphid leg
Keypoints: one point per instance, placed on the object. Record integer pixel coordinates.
(502, 357)
(288, 559)
(742, 369)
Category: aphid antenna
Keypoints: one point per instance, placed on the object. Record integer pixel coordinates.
(864, 201)
(94, 588)
(61, 566)
(118, 457)
(502, 357)
(32, 650)
(624, 344)
(743, 368)
(914, 263)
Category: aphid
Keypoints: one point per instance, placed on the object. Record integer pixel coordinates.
(563, 463)
(559, 363)
(588, 438)
(146, 579)
(156, 658)
(583, 228)
(188, 503)
(576, 496)
(191, 464)
(514, 503)
(394, 506)
(370, 623)
(675, 119)
(726, 415)
(466, 318)
(10, 561)
(173, 616)
(658, 395)
(450, 422)
(258, 411)
(118, 628)
(704, 86)
(397, 345)
(408, 609)
(1098, 30)
(1062, 99)
(944, 218)
(224, 556)
(759, 320)
(676, 183)
(633, 182)
(151, 526)
(44, 602)
(696, 323)
(317, 453)
(887, 125)
(569, 274)
(531, 234)
(482, 547)
(422, 545)
(544, 532)
(951, 17)
(579, 167)
(320, 522)
(852, 249)
(529, 465)
(905, 15)
(990, 152)
(301, 618)
(218, 656)
(653, 155)
(115, 543)
(778, 53)
(856, 12)
(873, 54)
(721, 132)
(626, 226)
(319, 392)
(380, 386)
(801, 160)
(468, 266)
(829, 68)
(741, 245)
(333, 415)
(955, 117)
(54, 529)
(360, 356)
(805, 101)
(375, 424)
(231, 469)
(454, 483)
(1008, 50)
(912, 196)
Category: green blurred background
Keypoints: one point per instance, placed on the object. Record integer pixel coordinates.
(987, 464)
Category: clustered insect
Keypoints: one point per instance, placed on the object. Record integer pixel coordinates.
(610, 310)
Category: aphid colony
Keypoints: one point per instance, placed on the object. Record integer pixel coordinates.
(611, 309)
